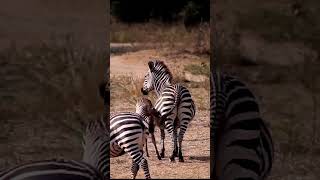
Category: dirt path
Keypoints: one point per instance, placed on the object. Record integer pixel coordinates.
(196, 145)
(131, 63)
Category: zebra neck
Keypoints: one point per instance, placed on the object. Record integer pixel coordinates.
(145, 119)
(161, 85)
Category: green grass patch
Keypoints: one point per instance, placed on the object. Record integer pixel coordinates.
(198, 69)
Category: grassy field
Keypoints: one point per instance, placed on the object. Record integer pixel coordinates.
(52, 57)
(48, 94)
(159, 35)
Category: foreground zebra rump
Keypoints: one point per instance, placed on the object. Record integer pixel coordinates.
(128, 133)
(94, 166)
(174, 105)
(243, 147)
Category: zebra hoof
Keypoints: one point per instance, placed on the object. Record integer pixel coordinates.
(162, 155)
(181, 159)
(159, 157)
(172, 159)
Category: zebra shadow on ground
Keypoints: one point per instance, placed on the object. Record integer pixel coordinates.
(199, 139)
(199, 158)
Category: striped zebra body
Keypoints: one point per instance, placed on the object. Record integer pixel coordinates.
(144, 107)
(96, 146)
(94, 166)
(128, 134)
(52, 170)
(243, 147)
(174, 105)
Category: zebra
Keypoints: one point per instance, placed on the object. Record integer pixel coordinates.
(94, 164)
(128, 133)
(144, 105)
(174, 105)
(242, 143)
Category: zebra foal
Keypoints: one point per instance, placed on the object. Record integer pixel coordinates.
(144, 105)
(128, 134)
(174, 105)
(242, 143)
(94, 164)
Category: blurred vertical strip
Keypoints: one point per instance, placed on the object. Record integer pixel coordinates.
(107, 74)
(213, 64)
(107, 71)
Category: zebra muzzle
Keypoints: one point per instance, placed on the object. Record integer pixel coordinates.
(144, 92)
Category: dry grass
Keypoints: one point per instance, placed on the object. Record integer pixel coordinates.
(162, 35)
(48, 92)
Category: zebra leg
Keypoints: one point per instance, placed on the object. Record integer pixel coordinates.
(174, 145)
(139, 160)
(183, 128)
(185, 116)
(134, 169)
(175, 138)
(173, 133)
(144, 165)
(147, 147)
(162, 142)
(155, 145)
(180, 148)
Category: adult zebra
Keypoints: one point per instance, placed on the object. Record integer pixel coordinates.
(94, 164)
(128, 133)
(174, 105)
(242, 144)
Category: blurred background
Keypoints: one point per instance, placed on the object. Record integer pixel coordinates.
(178, 33)
(274, 46)
(53, 55)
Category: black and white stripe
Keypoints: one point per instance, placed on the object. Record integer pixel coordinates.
(51, 170)
(96, 146)
(174, 104)
(128, 133)
(144, 107)
(94, 165)
(243, 147)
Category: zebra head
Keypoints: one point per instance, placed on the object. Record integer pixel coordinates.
(147, 83)
(144, 106)
(157, 77)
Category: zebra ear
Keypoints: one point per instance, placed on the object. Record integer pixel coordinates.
(150, 64)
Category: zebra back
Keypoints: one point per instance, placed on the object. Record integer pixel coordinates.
(242, 143)
(52, 170)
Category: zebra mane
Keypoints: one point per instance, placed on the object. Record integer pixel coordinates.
(95, 143)
(157, 63)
